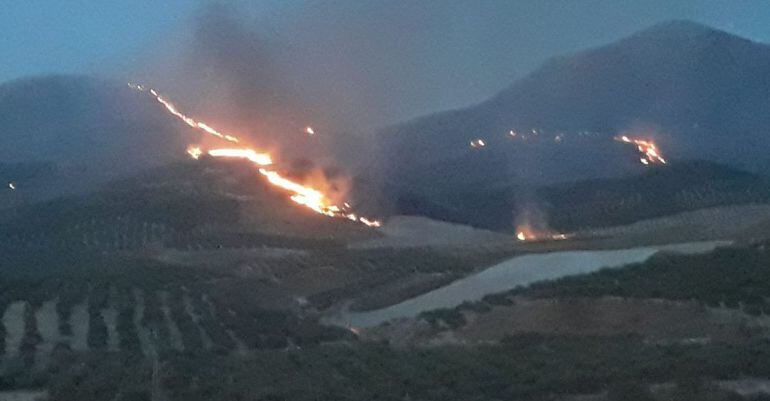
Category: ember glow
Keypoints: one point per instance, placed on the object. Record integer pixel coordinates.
(304, 195)
(478, 143)
(172, 109)
(648, 149)
(194, 151)
(262, 159)
(526, 233)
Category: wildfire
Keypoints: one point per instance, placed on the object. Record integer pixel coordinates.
(648, 149)
(194, 151)
(303, 195)
(262, 159)
(171, 108)
(526, 233)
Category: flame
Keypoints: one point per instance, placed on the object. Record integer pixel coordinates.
(478, 143)
(526, 233)
(262, 159)
(648, 149)
(301, 194)
(194, 151)
(171, 108)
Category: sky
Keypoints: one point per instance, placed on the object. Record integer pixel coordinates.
(401, 58)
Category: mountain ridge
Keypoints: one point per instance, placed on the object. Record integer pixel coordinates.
(655, 79)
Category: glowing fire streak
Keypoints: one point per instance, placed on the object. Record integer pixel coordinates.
(187, 120)
(262, 159)
(195, 152)
(303, 195)
(478, 143)
(648, 149)
(527, 234)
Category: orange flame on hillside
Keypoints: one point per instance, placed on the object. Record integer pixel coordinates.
(262, 159)
(194, 151)
(648, 149)
(527, 233)
(303, 195)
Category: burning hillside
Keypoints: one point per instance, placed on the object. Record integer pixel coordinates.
(647, 148)
(304, 195)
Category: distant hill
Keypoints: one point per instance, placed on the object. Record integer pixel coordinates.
(208, 204)
(700, 93)
(86, 127)
(658, 191)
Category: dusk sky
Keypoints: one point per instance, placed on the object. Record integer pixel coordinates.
(431, 55)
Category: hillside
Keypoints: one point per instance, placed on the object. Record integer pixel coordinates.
(698, 92)
(655, 192)
(207, 204)
(87, 128)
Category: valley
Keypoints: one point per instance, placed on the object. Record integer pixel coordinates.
(597, 230)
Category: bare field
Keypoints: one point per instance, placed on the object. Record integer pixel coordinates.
(656, 320)
(659, 321)
(742, 222)
(416, 231)
(24, 395)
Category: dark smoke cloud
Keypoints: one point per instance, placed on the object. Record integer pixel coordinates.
(239, 75)
(345, 68)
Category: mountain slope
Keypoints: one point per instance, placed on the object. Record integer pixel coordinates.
(700, 92)
(87, 128)
(656, 192)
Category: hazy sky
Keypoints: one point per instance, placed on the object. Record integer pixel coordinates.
(418, 56)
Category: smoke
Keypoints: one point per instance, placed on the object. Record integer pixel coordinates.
(242, 78)
(531, 219)
(238, 75)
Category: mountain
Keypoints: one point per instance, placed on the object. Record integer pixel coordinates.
(700, 93)
(86, 128)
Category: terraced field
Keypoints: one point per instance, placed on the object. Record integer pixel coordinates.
(112, 319)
